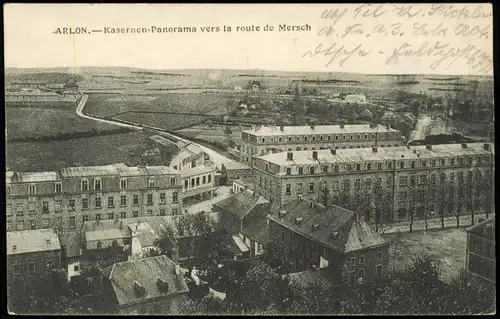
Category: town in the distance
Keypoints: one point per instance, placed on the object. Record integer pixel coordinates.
(134, 191)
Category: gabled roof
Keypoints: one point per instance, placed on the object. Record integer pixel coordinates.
(200, 169)
(145, 272)
(241, 203)
(363, 236)
(32, 241)
(235, 166)
(329, 226)
(258, 231)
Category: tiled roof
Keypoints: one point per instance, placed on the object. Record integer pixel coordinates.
(258, 231)
(382, 154)
(146, 272)
(241, 203)
(329, 226)
(363, 236)
(35, 177)
(32, 241)
(318, 130)
(235, 166)
(82, 171)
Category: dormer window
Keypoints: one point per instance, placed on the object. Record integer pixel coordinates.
(32, 189)
(97, 184)
(151, 182)
(84, 185)
(58, 187)
(123, 183)
(47, 242)
(14, 248)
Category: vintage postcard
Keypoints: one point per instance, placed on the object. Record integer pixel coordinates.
(277, 159)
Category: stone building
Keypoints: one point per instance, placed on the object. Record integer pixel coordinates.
(232, 171)
(269, 139)
(399, 181)
(480, 261)
(66, 199)
(32, 254)
(330, 238)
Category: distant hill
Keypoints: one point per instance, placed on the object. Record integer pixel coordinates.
(48, 77)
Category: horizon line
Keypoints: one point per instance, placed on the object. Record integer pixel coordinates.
(243, 69)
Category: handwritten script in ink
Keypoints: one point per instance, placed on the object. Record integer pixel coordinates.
(438, 36)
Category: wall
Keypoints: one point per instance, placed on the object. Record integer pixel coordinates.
(370, 263)
(40, 259)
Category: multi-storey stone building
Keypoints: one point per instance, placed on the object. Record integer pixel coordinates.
(480, 262)
(434, 179)
(264, 139)
(66, 199)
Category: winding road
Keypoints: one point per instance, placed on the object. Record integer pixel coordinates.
(217, 159)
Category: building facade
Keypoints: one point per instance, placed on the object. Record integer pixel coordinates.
(264, 140)
(66, 199)
(333, 238)
(32, 253)
(480, 261)
(233, 171)
(400, 182)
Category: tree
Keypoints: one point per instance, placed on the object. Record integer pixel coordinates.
(277, 257)
(382, 203)
(412, 201)
(471, 188)
(429, 191)
(442, 198)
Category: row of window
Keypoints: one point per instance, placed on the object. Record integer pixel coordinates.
(20, 225)
(336, 137)
(85, 203)
(195, 181)
(335, 168)
(361, 275)
(84, 185)
(17, 269)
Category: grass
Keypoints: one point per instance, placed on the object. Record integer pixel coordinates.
(36, 121)
(106, 105)
(53, 155)
(446, 246)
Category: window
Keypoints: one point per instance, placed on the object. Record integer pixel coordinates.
(402, 165)
(9, 225)
(433, 179)
(424, 163)
(31, 268)
(175, 211)
(336, 168)
(76, 268)
(135, 214)
(162, 212)
(162, 198)
(347, 184)
(45, 207)
(58, 188)
(209, 178)
(32, 189)
(357, 184)
(175, 197)
(149, 199)
(151, 182)
(72, 222)
(311, 187)
(123, 183)
(379, 255)
(369, 166)
(97, 202)
(71, 204)
(85, 203)
(412, 180)
(361, 259)
(311, 170)
(368, 183)
(123, 200)
(111, 216)
(361, 276)
(336, 185)
(300, 189)
(57, 206)
(32, 224)
(379, 271)
(84, 185)
(423, 180)
(442, 161)
(97, 217)
(353, 261)
(288, 189)
(123, 215)
(288, 171)
(301, 170)
(99, 260)
(358, 167)
(99, 245)
(204, 180)
(111, 202)
(403, 181)
(136, 200)
(186, 184)
(85, 218)
(150, 212)
(379, 182)
(20, 225)
(97, 184)
(173, 181)
(389, 165)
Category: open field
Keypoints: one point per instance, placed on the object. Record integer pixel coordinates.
(446, 246)
(106, 105)
(212, 134)
(28, 122)
(53, 155)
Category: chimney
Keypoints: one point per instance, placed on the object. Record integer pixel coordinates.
(373, 125)
(282, 213)
(334, 152)
(312, 126)
(282, 128)
(464, 145)
(315, 155)
(80, 251)
(388, 126)
(415, 151)
(342, 125)
(402, 156)
(486, 146)
(429, 147)
(162, 285)
(374, 149)
(289, 156)
(315, 226)
(298, 220)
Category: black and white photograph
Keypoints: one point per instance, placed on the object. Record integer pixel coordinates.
(249, 159)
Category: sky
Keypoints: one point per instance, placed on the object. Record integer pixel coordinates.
(30, 40)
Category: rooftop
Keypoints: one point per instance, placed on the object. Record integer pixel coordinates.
(485, 228)
(32, 241)
(235, 165)
(73, 244)
(363, 236)
(145, 272)
(308, 277)
(258, 231)
(382, 154)
(327, 225)
(162, 140)
(200, 169)
(241, 203)
(116, 169)
(319, 129)
(34, 177)
(247, 182)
